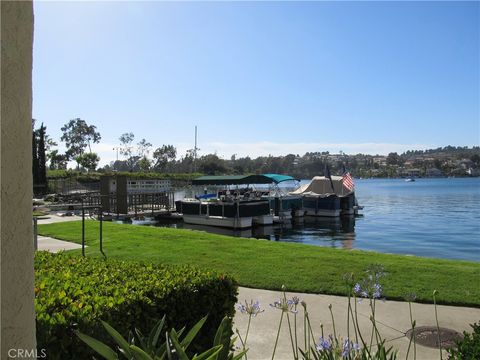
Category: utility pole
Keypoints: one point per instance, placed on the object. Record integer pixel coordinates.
(116, 162)
(116, 148)
(195, 152)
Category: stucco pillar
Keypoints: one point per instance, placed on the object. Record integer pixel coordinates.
(16, 262)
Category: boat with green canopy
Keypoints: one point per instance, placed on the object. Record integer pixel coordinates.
(238, 204)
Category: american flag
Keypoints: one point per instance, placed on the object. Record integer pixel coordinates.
(347, 181)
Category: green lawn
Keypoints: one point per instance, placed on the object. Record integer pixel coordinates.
(268, 265)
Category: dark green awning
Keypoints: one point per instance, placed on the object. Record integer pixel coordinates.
(278, 178)
(241, 179)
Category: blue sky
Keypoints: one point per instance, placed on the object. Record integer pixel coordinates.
(261, 78)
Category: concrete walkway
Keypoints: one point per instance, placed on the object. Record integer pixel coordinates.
(54, 218)
(393, 320)
(46, 243)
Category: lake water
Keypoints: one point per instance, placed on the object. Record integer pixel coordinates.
(429, 217)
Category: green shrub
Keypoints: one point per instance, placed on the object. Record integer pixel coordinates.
(60, 174)
(95, 176)
(467, 348)
(74, 293)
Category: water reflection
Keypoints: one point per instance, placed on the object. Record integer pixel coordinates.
(333, 232)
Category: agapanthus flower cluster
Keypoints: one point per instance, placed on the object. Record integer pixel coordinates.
(325, 344)
(252, 308)
(370, 286)
(349, 348)
(294, 301)
(367, 289)
(285, 305)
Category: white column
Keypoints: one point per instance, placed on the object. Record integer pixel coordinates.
(17, 276)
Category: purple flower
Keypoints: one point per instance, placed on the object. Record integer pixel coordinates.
(276, 304)
(294, 301)
(242, 308)
(324, 345)
(349, 347)
(377, 291)
(284, 305)
(356, 288)
(368, 289)
(252, 308)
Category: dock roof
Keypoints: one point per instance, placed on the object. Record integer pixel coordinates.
(241, 179)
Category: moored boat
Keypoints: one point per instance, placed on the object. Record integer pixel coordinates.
(323, 196)
(249, 188)
(233, 208)
(231, 213)
(283, 205)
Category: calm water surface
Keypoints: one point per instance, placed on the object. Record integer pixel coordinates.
(429, 217)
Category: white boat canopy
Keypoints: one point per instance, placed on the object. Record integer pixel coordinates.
(320, 185)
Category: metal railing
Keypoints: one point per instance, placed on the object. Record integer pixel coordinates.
(85, 210)
(150, 202)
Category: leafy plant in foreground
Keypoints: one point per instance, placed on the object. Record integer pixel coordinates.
(161, 344)
(467, 348)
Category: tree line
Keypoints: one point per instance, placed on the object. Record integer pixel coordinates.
(140, 156)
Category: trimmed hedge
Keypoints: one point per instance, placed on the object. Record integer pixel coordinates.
(74, 293)
(95, 176)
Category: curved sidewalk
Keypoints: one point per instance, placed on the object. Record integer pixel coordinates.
(393, 320)
(46, 243)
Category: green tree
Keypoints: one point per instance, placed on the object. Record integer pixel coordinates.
(393, 158)
(42, 160)
(475, 158)
(126, 141)
(144, 164)
(163, 155)
(143, 148)
(57, 161)
(39, 167)
(77, 135)
(126, 148)
(34, 154)
(88, 161)
(211, 164)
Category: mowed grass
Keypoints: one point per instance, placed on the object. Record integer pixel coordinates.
(269, 265)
